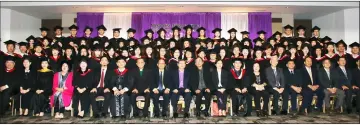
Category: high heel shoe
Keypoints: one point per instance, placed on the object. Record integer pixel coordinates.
(258, 113)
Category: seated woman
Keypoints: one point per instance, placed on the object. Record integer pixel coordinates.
(27, 83)
(62, 89)
(83, 79)
(258, 83)
(220, 78)
(42, 88)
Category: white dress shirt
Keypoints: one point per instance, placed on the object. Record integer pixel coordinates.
(102, 70)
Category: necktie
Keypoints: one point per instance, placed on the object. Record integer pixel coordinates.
(141, 73)
(310, 73)
(343, 69)
(328, 73)
(292, 72)
(102, 79)
(277, 82)
(161, 81)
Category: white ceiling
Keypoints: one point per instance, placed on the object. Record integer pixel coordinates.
(302, 10)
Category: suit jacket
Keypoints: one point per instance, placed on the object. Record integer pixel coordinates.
(293, 79)
(270, 76)
(225, 76)
(141, 82)
(344, 79)
(194, 79)
(356, 80)
(107, 78)
(306, 78)
(324, 79)
(175, 79)
(156, 78)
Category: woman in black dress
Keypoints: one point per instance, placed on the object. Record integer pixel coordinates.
(110, 51)
(331, 55)
(258, 83)
(172, 65)
(247, 60)
(55, 58)
(43, 88)
(26, 88)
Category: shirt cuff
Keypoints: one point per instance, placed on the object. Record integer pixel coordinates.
(6, 86)
(126, 89)
(274, 88)
(114, 89)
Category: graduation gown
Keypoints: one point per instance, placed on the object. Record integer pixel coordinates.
(119, 104)
(283, 59)
(102, 40)
(351, 61)
(8, 78)
(333, 59)
(94, 63)
(318, 62)
(44, 81)
(172, 64)
(55, 62)
(264, 63)
(27, 81)
(36, 61)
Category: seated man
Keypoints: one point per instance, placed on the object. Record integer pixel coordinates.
(293, 85)
(356, 84)
(161, 87)
(180, 86)
(344, 84)
(141, 79)
(8, 83)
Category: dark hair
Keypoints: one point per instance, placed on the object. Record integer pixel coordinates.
(341, 57)
(325, 60)
(181, 60)
(104, 57)
(67, 63)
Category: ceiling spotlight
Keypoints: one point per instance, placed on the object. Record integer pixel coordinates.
(287, 7)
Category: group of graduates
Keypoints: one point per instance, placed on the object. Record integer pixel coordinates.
(73, 72)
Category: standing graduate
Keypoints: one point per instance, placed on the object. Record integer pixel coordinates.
(316, 32)
(116, 38)
(288, 31)
(301, 31)
(87, 34)
(94, 62)
(23, 47)
(43, 88)
(176, 34)
(131, 33)
(318, 56)
(110, 53)
(55, 58)
(31, 40)
(354, 56)
(136, 54)
(73, 31)
(150, 34)
(232, 39)
(150, 58)
(36, 57)
(27, 81)
(201, 32)
(261, 35)
(58, 35)
(330, 54)
(161, 39)
(44, 32)
(172, 64)
(103, 39)
(46, 43)
(341, 48)
(245, 34)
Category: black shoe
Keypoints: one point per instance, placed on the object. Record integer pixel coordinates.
(78, 116)
(197, 114)
(247, 114)
(273, 112)
(103, 114)
(235, 114)
(284, 112)
(157, 116)
(96, 116)
(186, 115)
(175, 115)
(164, 115)
(115, 117)
(135, 115)
(258, 113)
(349, 111)
(206, 114)
(264, 113)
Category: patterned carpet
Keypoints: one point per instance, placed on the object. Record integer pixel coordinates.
(312, 118)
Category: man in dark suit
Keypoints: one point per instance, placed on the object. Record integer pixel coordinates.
(102, 87)
(344, 80)
(180, 86)
(310, 86)
(141, 79)
(201, 86)
(293, 85)
(356, 84)
(275, 77)
(161, 87)
(328, 79)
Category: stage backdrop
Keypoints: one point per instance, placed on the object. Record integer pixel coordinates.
(89, 19)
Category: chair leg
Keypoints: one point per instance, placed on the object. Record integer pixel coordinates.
(230, 105)
(12, 107)
(72, 112)
(52, 111)
(211, 105)
(151, 108)
(91, 111)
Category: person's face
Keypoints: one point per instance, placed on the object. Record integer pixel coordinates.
(258, 54)
(327, 64)
(121, 63)
(130, 34)
(45, 42)
(97, 53)
(292, 50)
(308, 62)
(161, 64)
(188, 54)
(209, 45)
(318, 51)
(181, 65)
(186, 44)
(73, 32)
(176, 33)
(219, 64)
(125, 53)
(38, 49)
(262, 36)
(10, 48)
(199, 62)
(256, 67)
(341, 48)
(202, 33)
(131, 43)
(83, 65)
(26, 63)
(83, 42)
(217, 34)
(232, 34)
(313, 43)
(83, 52)
(316, 32)
(101, 31)
(213, 56)
(44, 64)
(65, 67)
(188, 31)
(245, 52)
(111, 52)
(43, 33)
(149, 51)
(222, 53)
(222, 44)
(272, 42)
(246, 43)
(137, 51)
(280, 50)
(176, 53)
(121, 44)
(237, 64)
(236, 50)
(258, 43)
(288, 31)
(146, 42)
(342, 62)
(245, 36)
(58, 32)
(301, 32)
(68, 52)
(55, 52)
(149, 35)
(116, 34)
(268, 51)
(162, 34)
(23, 49)
(201, 54)
(355, 50)
(162, 51)
(104, 61)
(330, 48)
(172, 44)
(358, 63)
(291, 65)
(298, 43)
(305, 50)
(87, 32)
(274, 61)
(10, 64)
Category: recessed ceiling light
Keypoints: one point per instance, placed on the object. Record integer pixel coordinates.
(287, 7)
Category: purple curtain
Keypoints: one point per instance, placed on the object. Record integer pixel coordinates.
(89, 19)
(142, 21)
(259, 21)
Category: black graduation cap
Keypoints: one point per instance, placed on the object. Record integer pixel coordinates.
(237, 59)
(341, 42)
(305, 45)
(300, 27)
(176, 28)
(331, 43)
(271, 38)
(44, 29)
(223, 40)
(300, 39)
(149, 31)
(42, 59)
(277, 33)
(10, 58)
(188, 27)
(56, 47)
(36, 44)
(161, 29)
(145, 38)
(261, 32)
(292, 46)
(30, 38)
(116, 29)
(232, 30)
(318, 46)
(244, 32)
(131, 30)
(84, 59)
(326, 38)
(132, 39)
(73, 27)
(258, 39)
(97, 47)
(10, 42)
(82, 47)
(188, 50)
(288, 27)
(315, 28)
(46, 38)
(107, 48)
(245, 39)
(216, 30)
(58, 27)
(313, 39)
(87, 27)
(23, 44)
(208, 40)
(201, 28)
(101, 27)
(201, 49)
(258, 48)
(354, 44)
(279, 45)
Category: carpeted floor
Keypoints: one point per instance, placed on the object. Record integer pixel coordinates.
(312, 118)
